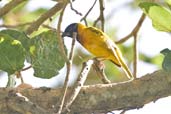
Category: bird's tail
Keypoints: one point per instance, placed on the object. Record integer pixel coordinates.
(123, 65)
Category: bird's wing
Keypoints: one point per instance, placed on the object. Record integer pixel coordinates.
(112, 46)
(95, 31)
(109, 48)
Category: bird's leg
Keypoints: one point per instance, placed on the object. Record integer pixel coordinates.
(99, 68)
(18, 75)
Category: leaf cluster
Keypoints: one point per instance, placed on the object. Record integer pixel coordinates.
(42, 52)
(160, 17)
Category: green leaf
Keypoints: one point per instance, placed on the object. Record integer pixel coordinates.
(12, 54)
(160, 16)
(166, 65)
(11, 81)
(45, 55)
(20, 36)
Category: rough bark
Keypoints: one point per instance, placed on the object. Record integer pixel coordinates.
(92, 98)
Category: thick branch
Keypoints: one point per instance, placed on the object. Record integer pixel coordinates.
(103, 97)
(16, 103)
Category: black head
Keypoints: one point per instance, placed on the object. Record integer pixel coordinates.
(70, 30)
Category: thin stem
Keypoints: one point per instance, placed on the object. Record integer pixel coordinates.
(59, 38)
(69, 65)
(101, 3)
(99, 68)
(123, 111)
(134, 34)
(79, 84)
(134, 31)
(72, 8)
(85, 16)
(18, 75)
(135, 55)
(101, 16)
(61, 44)
(11, 80)
(24, 69)
(15, 26)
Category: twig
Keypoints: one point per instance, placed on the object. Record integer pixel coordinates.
(96, 21)
(110, 112)
(69, 65)
(123, 111)
(35, 24)
(26, 24)
(59, 38)
(134, 31)
(72, 46)
(48, 27)
(80, 82)
(15, 26)
(85, 16)
(18, 75)
(101, 16)
(8, 7)
(134, 34)
(100, 71)
(101, 2)
(24, 69)
(72, 8)
(135, 56)
(62, 47)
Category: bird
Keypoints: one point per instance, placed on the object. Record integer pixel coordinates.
(166, 64)
(97, 43)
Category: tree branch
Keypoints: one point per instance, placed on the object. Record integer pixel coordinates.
(79, 84)
(68, 62)
(123, 96)
(68, 73)
(14, 102)
(8, 7)
(15, 26)
(35, 24)
(101, 15)
(134, 31)
(98, 66)
(101, 3)
(135, 62)
(73, 9)
(116, 96)
(85, 16)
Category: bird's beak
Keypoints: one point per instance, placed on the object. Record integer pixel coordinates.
(65, 34)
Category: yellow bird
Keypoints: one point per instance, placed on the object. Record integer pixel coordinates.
(98, 43)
